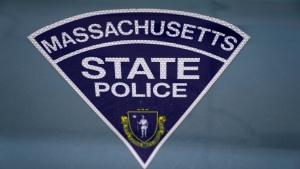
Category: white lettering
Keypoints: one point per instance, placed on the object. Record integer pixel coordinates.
(86, 64)
(230, 44)
(176, 90)
(217, 35)
(181, 68)
(98, 90)
(66, 38)
(134, 94)
(186, 30)
(110, 29)
(161, 30)
(97, 31)
(163, 65)
(176, 30)
(155, 90)
(146, 70)
(203, 31)
(114, 89)
(84, 35)
(117, 65)
(54, 45)
(145, 27)
(120, 27)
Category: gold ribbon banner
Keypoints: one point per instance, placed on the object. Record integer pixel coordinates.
(159, 133)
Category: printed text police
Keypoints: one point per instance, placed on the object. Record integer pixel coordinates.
(139, 67)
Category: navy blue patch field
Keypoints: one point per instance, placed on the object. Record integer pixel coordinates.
(141, 70)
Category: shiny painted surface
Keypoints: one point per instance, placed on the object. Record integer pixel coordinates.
(248, 119)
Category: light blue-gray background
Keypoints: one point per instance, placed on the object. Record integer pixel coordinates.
(248, 119)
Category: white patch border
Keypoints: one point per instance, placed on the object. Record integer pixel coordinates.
(77, 17)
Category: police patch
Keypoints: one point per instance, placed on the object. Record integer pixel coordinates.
(141, 70)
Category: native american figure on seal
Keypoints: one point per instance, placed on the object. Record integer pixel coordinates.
(144, 126)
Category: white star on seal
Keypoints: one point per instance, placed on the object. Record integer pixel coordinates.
(134, 116)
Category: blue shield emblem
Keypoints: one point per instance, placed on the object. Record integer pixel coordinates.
(120, 61)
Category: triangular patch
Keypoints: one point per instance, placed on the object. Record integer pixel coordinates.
(141, 70)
